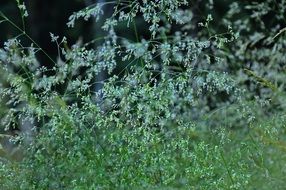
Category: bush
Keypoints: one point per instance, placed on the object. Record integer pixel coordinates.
(187, 105)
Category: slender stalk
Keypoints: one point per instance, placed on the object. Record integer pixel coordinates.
(25, 34)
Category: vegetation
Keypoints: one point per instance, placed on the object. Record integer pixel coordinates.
(193, 99)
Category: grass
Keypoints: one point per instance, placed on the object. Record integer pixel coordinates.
(140, 158)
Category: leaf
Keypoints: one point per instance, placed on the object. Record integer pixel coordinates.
(261, 80)
(4, 135)
(279, 33)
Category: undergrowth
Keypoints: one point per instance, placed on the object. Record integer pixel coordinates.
(189, 106)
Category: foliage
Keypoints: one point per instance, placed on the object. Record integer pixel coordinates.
(186, 110)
